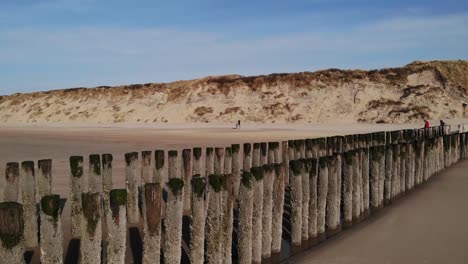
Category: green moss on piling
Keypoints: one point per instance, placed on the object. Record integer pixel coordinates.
(107, 160)
(247, 148)
(172, 153)
(273, 145)
(197, 152)
(217, 182)
(235, 148)
(228, 151)
(95, 162)
(263, 148)
(323, 161)
(246, 179)
(322, 143)
(257, 173)
(76, 166)
(198, 185)
(50, 205)
(118, 198)
(91, 212)
(268, 168)
(209, 151)
(176, 185)
(348, 157)
(296, 167)
(159, 159)
(278, 169)
(313, 168)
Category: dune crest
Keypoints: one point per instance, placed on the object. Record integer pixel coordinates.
(435, 89)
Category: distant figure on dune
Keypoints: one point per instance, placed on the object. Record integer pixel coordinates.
(427, 124)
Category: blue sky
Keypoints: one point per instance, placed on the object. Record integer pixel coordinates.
(51, 44)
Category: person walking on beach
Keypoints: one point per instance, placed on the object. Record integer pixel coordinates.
(442, 127)
(238, 124)
(427, 124)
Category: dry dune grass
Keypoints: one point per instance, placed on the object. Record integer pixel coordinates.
(419, 90)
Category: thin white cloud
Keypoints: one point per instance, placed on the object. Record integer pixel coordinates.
(100, 55)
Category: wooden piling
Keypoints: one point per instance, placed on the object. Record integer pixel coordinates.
(94, 173)
(197, 229)
(187, 176)
(51, 230)
(11, 189)
(131, 160)
(268, 182)
(28, 193)
(295, 171)
(116, 222)
(347, 188)
(152, 223)
(91, 232)
(257, 214)
(278, 203)
(76, 175)
(174, 208)
(44, 179)
(11, 233)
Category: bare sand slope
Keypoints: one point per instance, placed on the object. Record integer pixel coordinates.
(419, 90)
(426, 226)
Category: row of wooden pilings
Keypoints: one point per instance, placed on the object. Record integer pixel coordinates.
(261, 203)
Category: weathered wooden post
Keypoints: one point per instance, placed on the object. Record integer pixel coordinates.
(116, 222)
(214, 218)
(11, 189)
(76, 173)
(44, 181)
(152, 223)
(278, 203)
(347, 188)
(388, 170)
(11, 233)
(187, 177)
(91, 232)
(146, 168)
(131, 160)
(268, 183)
(257, 212)
(374, 177)
(305, 172)
(357, 186)
(313, 204)
(333, 197)
(107, 172)
(257, 174)
(160, 171)
(28, 192)
(94, 172)
(263, 153)
(197, 229)
(365, 181)
(285, 160)
(174, 208)
(322, 190)
(244, 242)
(51, 230)
(209, 161)
(106, 188)
(403, 163)
(295, 171)
(236, 169)
(227, 207)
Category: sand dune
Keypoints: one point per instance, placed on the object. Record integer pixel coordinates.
(419, 90)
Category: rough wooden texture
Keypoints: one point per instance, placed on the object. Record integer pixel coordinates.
(44, 179)
(11, 189)
(11, 233)
(77, 185)
(131, 160)
(91, 232)
(152, 223)
(28, 193)
(278, 203)
(51, 230)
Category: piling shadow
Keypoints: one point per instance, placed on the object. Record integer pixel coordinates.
(136, 245)
(73, 251)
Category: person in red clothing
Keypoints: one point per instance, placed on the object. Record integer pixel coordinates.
(426, 124)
